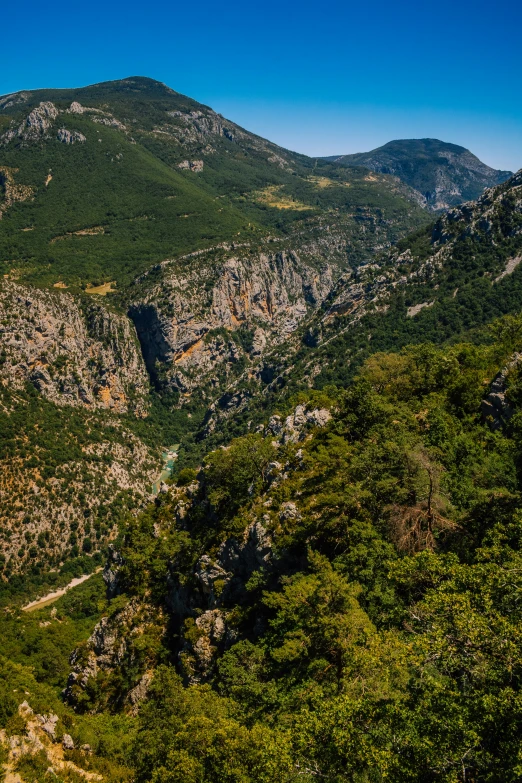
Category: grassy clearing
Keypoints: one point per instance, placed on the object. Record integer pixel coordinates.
(326, 182)
(272, 196)
(101, 290)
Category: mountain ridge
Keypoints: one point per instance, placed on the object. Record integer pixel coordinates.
(441, 173)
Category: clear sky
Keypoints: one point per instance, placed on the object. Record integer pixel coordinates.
(319, 77)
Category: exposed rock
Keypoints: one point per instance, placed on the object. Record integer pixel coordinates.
(70, 137)
(77, 108)
(12, 191)
(37, 740)
(109, 646)
(412, 311)
(110, 572)
(8, 101)
(289, 511)
(510, 267)
(207, 574)
(48, 724)
(73, 357)
(138, 694)
(496, 409)
(301, 420)
(175, 323)
(258, 342)
(243, 557)
(221, 582)
(35, 126)
(110, 122)
(197, 657)
(191, 165)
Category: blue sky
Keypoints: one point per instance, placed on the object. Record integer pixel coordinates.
(321, 78)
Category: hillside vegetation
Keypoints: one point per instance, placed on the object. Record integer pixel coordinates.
(102, 182)
(441, 174)
(327, 587)
(339, 591)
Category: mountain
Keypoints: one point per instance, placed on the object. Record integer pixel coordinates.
(324, 582)
(101, 183)
(147, 241)
(457, 274)
(442, 175)
(317, 598)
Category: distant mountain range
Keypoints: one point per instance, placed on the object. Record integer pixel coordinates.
(442, 175)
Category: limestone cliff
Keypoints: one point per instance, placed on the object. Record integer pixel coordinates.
(75, 356)
(188, 322)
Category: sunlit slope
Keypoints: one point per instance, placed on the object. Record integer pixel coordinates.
(102, 209)
(102, 182)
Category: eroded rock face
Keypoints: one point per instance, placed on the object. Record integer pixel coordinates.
(110, 648)
(89, 359)
(35, 126)
(12, 191)
(221, 582)
(177, 320)
(495, 408)
(191, 165)
(302, 420)
(70, 137)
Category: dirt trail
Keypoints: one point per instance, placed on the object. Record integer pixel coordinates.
(52, 597)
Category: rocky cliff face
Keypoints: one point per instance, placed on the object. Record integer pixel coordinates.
(36, 125)
(467, 260)
(84, 357)
(188, 324)
(69, 464)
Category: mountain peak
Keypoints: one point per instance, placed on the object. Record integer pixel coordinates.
(142, 83)
(441, 174)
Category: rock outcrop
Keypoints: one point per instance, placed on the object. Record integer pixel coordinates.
(86, 358)
(191, 165)
(35, 126)
(112, 646)
(496, 408)
(187, 324)
(70, 137)
(40, 735)
(12, 191)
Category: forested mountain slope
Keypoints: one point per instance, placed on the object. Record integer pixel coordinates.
(324, 595)
(333, 594)
(443, 175)
(146, 241)
(101, 182)
(455, 275)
